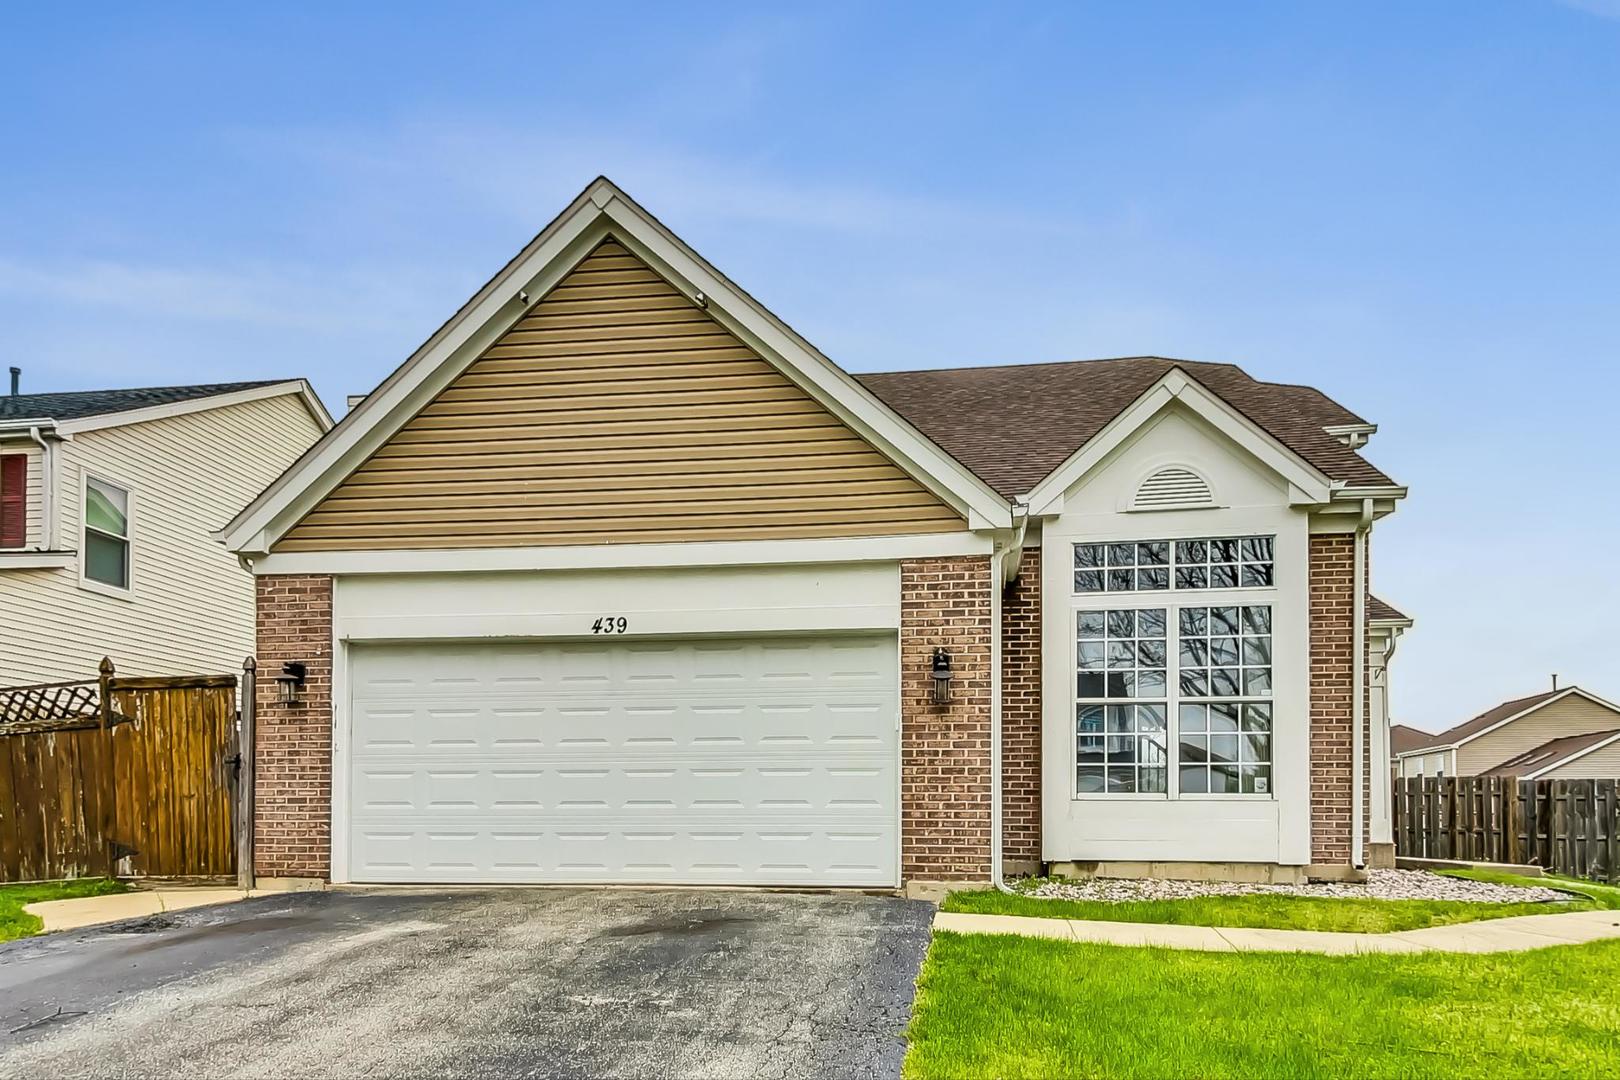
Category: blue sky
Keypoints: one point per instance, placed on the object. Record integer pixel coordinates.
(1415, 206)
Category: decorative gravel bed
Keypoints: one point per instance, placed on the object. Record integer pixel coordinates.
(1381, 885)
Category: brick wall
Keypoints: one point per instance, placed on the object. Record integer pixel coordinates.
(1332, 643)
(1021, 714)
(945, 749)
(293, 752)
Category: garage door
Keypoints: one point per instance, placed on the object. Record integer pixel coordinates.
(767, 761)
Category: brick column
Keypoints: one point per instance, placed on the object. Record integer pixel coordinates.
(293, 753)
(1332, 642)
(945, 749)
(1021, 718)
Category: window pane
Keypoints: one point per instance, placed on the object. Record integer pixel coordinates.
(1223, 717)
(1121, 580)
(1151, 781)
(1194, 682)
(1150, 718)
(1089, 779)
(1121, 554)
(1120, 719)
(1223, 551)
(1195, 652)
(106, 508)
(1256, 748)
(1192, 717)
(1087, 556)
(1153, 577)
(1155, 554)
(1257, 620)
(1195, 620)
(1192, 551)
(1223, 577)
(1256, 779)
(1150, 684)
(1088, 581)
(1194, 749)
(1192, 577)
(1257, 718)
(1151, 652)
(106, 560)
(1194, 780)
(1257, 652)
(1223, 682)
(1121, 779)
(1121, 749)
(1121, 624)
(1223, 620)
(1090, 685)
(1257, 682)
(1121, 684)
(1150, 622)
(1256, 576)
(1223, 779)
(1256, 549)
(1091, 656)
(1223, 651)
(1091, 624)
(1090, 718)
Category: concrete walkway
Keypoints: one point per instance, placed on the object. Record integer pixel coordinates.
(91, 910)
(1486, 936)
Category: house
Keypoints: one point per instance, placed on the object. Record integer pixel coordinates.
(108, 502)
(1561, 734)
(618, 579)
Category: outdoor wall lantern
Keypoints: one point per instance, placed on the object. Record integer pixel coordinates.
(942, 677)
(290, 683)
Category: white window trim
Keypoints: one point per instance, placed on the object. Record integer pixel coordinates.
(90, 584)
(1171, 600)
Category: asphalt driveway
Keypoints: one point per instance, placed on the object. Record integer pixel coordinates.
(505, 982)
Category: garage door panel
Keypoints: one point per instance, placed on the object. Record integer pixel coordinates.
(768, 761)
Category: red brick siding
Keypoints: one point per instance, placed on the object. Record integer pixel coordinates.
(945, 749)
(1332, 643)
(1021, 714)
(293, 752)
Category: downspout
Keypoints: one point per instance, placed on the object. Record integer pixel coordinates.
(1358, 692)
(47, 485)
(999, 578)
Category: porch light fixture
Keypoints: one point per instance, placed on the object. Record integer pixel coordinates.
(941, 672)
(290, 682)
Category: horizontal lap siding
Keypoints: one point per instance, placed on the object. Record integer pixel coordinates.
(618, 411)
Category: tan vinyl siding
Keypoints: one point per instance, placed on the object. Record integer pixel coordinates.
(191, 606)
(617, 411)
(1601, 764)
(1572, 715)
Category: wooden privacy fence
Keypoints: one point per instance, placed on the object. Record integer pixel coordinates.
(118, 776)
(1566, 826)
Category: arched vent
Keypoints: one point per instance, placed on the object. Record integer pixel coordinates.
(1172, 489)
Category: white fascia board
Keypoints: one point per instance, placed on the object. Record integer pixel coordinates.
(627, 556)
(300, 387)
(1537, 707)
(1306, 483)
(602, 209)
(1576, 756)
(1420, 751)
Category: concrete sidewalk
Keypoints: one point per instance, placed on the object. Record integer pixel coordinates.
(1489, 935)
(91, 910)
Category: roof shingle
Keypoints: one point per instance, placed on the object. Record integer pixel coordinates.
(1013, 424)
(1551, 754)
(77, 404)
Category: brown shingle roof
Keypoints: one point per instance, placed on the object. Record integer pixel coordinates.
(1014, 424)
(1382, 611)
(1404, 738)
(1550, 754)
(1495, 716)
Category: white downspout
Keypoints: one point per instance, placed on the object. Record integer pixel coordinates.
(1000, 564)
(1358, 692)
(47, 484)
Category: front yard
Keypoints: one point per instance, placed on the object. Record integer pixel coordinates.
(993, 1006)
(16, 923)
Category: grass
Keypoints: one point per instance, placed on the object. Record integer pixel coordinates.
(17, 923)
(1275, 912)
(994, 1006)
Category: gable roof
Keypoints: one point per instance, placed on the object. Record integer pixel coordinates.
(1510, 710)
(1383, 611)
(77, 404)
(1403, 739)
(600, 211)
(1553, 754)
(1014, 424)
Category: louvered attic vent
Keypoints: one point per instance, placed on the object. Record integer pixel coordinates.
(1173, 489)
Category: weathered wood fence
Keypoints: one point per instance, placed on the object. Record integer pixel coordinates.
(118, 776)
(1566, 826)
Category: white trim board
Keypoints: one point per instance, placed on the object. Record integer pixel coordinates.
(602, 210)
(627, 556)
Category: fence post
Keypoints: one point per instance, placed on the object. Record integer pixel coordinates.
(107, 780)
(244, 788)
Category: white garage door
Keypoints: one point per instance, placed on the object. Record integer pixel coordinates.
(768, 761)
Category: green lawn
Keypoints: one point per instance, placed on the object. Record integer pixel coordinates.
(1271, 911)
(995, 1006)
(16, 923)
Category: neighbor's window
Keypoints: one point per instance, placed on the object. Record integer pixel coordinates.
(1149, 565)
(1123, 684)
(106, 533)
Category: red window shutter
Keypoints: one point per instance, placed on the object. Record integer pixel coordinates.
(13, 500)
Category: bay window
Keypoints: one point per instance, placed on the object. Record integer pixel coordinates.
(1174, 699)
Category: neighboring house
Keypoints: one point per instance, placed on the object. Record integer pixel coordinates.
(108, 499)
(1562, 734)
(618, 579)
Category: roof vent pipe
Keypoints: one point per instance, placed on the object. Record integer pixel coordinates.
(16, 380)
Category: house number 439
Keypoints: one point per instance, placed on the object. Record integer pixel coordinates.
(610, 624)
